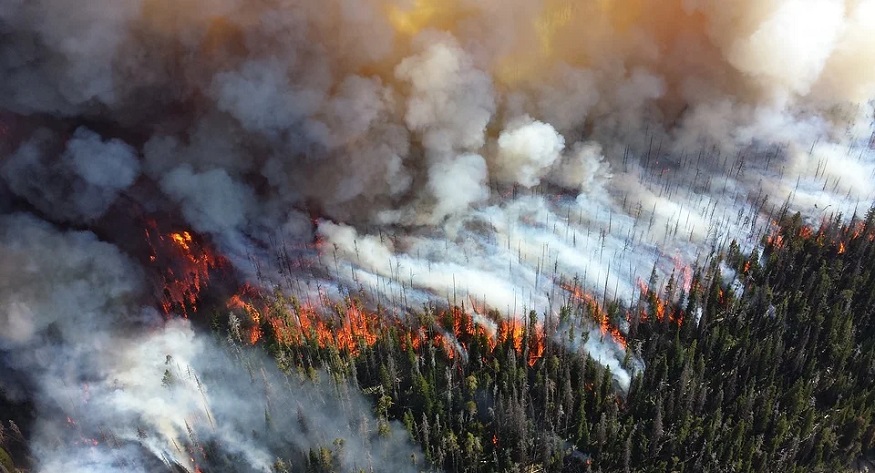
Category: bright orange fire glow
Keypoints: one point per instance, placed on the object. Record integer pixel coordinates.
(346, 329)
(246, 306)
(349, 328)
(183, 240)
(185, 265)
(599, 315)
(775, 240)
(659, 305)
(844, 237)
(684, 272)
(806, 232)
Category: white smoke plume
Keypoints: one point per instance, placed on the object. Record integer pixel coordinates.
(136, 394)
(526, 150)
(443, 152)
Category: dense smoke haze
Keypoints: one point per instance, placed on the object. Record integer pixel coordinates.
(417, 153)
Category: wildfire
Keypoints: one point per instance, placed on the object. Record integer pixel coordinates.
(659, 305)
(349, 328)
(514, 331)
(825, 235)
(185, 264)
(806, 232)
(600, 316)
(685, 273)
(183, 241)
(775, 240)
(346, 329)
(858, 230)
(243, 302)
(511, 330)
(82, 440)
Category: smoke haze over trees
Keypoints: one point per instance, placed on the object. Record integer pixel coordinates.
(164, 163)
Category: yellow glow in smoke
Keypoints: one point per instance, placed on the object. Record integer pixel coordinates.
(423, 14)
(557, 19)
(557, 14)
(572, 32)
(622, 14)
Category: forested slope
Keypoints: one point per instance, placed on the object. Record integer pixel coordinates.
(760, 362)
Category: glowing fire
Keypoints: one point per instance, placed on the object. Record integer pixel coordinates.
(806, 232)
(659, 305)
(775, 240)
(243, 302)
(185, 265)
(599, 315)
(824, 235)
(183, 241)
(423, 14)
(685, 273)
(348, 327)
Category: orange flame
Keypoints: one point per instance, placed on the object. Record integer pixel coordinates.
(236, 302)
(685, 273)
(348, 327)
(185, 265)
(774, 239)
(183, 241)
(600, 316)
(659, 305)
(805, 232)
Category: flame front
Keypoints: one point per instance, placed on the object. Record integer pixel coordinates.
(659, 305)
(599, 315)
(348, 327)
(184, 264)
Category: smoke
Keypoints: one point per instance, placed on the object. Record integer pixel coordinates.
(458, 184)
(443, 151)
(526, 150)
(135, 393)
(81, 184)
(211, 201)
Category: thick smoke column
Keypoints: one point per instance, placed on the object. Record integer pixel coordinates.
(120, 390)
(441, 152)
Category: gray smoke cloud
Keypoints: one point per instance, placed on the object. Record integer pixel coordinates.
(81, 183)
(115, 382)
(443, 151)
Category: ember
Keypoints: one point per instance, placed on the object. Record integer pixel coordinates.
(185, 264)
